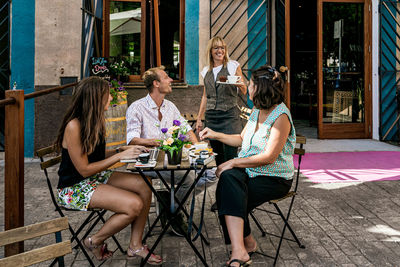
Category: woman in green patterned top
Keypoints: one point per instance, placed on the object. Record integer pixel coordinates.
(264, 167)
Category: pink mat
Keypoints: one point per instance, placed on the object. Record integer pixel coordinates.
(339, 167)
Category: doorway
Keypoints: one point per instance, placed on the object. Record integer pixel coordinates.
(303, 54)
(344, 69)
(328, 54)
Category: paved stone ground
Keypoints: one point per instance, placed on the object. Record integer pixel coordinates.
(349, 224)
(341, 224)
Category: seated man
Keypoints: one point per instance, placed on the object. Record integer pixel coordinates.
(147, 116)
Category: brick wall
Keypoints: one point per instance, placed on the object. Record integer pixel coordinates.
(187, 100)
(50, 109)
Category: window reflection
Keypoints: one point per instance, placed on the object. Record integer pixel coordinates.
(343, 63)
(125, 33)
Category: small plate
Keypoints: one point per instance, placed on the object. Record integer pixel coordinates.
(230, 83)
(149, 164)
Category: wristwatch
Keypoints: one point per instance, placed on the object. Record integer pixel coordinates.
(117, 150)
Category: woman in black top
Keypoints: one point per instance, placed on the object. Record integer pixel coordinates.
(85, 181)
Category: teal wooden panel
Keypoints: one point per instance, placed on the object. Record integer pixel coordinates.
(389, 62)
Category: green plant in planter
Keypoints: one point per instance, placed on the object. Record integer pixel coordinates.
(118, 92)
(119, 68)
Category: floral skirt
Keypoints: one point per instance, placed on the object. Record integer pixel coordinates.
(78, 196)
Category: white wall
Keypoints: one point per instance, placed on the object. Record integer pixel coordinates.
(375, 65)
(57, 40)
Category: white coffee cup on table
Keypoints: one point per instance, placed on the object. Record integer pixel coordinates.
(233, 79)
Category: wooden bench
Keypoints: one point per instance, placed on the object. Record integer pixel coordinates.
(57, 250)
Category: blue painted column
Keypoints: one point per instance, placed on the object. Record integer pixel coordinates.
(257, 38)
(388, 74)
(23, 61)
(192, 42)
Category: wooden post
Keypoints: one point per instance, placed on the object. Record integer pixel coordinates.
(157, 33)
(14, 168)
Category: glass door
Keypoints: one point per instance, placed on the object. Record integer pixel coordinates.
(343, 68)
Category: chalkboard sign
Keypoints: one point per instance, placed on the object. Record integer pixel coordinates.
(99, 66)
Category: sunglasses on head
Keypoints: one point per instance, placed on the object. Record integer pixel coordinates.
(271, 71)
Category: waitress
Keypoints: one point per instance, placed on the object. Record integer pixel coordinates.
(219, 100)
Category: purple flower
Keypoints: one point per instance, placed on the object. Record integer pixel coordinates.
(182, 137)
(176, 122)
(164, 130)
(119, 82)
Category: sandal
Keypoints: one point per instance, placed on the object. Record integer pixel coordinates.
(241, 263)
(104, 252)
(153, 259)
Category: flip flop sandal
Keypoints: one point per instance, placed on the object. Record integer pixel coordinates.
(153, 259)
(241, 263)
(103, 250)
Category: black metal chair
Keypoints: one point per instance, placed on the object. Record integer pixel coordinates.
(301, 140)
(49, 158)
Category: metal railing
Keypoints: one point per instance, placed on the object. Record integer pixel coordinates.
(14, 159)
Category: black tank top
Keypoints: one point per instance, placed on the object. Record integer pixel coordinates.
(67, 173)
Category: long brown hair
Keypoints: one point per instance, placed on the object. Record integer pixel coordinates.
(212, 43)
(87, 106)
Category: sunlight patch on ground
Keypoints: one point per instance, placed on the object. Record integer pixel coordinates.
(393, 234)
(332, 186)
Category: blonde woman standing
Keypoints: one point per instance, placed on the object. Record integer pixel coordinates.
(219, 101)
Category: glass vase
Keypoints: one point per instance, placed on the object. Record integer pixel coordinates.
(175, 158)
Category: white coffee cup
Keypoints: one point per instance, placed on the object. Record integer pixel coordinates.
(233, 79)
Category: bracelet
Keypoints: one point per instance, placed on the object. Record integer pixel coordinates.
(117, 150)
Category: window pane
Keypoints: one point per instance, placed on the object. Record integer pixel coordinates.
(125, 30)
(343, 63)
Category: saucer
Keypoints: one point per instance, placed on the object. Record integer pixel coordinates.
(230, 83)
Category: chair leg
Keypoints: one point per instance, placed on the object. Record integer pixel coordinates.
(286, 221)
(88, 219)
(286, 224)
(259, 226)
(113, 237)
(79, 244)
(76, 238)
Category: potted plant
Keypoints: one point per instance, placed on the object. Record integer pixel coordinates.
(172, 143)
(115, 116)
(118, 92)
(120, 70)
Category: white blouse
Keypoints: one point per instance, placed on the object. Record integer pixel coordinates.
(232, 66)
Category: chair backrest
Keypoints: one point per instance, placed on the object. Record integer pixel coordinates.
(299, 151)
(245, 112)
(49, 158)
(31, 231)
(191, 119)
